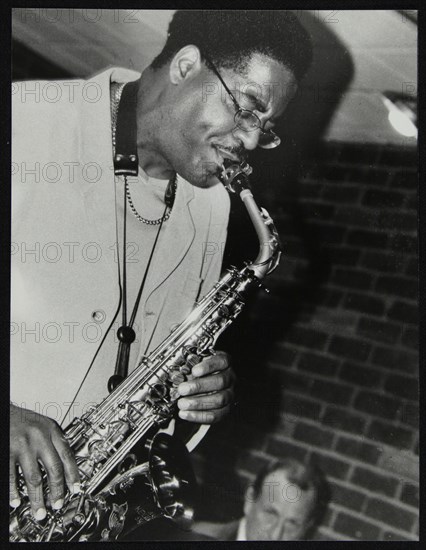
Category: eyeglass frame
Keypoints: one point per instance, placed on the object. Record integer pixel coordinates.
(241, 109)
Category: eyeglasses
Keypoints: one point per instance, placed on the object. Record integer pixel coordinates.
(248, 120)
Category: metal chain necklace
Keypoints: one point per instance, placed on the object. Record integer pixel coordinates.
(116, 90)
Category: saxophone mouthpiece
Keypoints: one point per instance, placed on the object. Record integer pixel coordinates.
(234, 176)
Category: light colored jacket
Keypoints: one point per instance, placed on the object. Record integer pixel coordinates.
(64, 271)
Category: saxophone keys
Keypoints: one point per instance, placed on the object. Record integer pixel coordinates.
(177, 378)
(191, 360)
(158, 391)
(174, 394)
(185, 369)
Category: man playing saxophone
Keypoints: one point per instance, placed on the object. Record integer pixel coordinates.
(137, 250)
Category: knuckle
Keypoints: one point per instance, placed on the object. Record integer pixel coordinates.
(53, 427)
(34, 479)
(38, 432)
(56, 488)
(229, 396)
(219, 400)
(222, 399)
(221, 381)
(56, 471)
(209, 417)
(225, 362)
(228, 379)
(196, 384)
(19, 442)
(66, 452)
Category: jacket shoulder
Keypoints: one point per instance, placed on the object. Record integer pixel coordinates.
(218, 531)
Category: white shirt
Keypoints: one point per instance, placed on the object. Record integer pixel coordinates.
(242, 534)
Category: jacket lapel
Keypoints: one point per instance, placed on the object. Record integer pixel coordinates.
(100, 195)
(178, 232)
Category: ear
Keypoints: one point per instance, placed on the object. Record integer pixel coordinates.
(185, 63)
(249, 500)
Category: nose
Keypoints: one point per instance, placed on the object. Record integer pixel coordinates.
(250, 139)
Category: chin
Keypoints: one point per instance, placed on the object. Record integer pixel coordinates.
(202, 178)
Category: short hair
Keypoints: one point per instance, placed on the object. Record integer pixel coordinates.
(230, 38)
(305, 476)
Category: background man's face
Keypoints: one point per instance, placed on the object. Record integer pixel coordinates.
(201, 122)
(282, 511)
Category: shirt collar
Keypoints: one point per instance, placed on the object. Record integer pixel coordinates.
(241, 534)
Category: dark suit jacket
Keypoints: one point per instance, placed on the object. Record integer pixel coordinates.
(217, 531)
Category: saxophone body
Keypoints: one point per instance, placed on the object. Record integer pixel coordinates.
(131, 472)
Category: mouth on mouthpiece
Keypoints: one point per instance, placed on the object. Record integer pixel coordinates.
(231, 171)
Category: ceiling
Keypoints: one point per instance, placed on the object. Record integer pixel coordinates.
(358, 55)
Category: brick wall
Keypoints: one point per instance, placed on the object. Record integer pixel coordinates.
(327, 363)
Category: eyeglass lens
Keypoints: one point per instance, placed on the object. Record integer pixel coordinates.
(248, 121)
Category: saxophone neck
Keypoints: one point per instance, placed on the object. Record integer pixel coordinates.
(235, 179)
(269, 254)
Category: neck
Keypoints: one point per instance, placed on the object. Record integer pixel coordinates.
(149, 114)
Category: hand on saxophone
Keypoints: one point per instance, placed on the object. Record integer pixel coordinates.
(208, 394)
(36, 439)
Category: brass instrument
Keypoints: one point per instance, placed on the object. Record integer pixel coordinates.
(123, 487)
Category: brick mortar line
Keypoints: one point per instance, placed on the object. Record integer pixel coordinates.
(327, 531)
(405, 193)
(370, 494)
(365, 416)
(368, 417)
(410, 169)
(317, 321)
(309, 398)
(387, 449)
(356, 270)
(320, 200)
(359, 515)
(365, 208)
(367, 293)
(358, 315)
(368, 519)
(374, 275)
(350, 460)
(332, 223)
(276, 366)
(325, 354)
(383, 318)
(347, 184)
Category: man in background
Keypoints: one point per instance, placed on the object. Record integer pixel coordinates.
(286, 502)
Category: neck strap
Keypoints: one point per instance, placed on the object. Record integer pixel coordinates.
(126, 154)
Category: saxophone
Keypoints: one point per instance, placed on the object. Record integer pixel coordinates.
(106, 437)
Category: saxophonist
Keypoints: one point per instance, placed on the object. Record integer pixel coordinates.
(104, 266)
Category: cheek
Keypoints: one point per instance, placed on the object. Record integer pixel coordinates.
(255, 524)
(206, 121)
